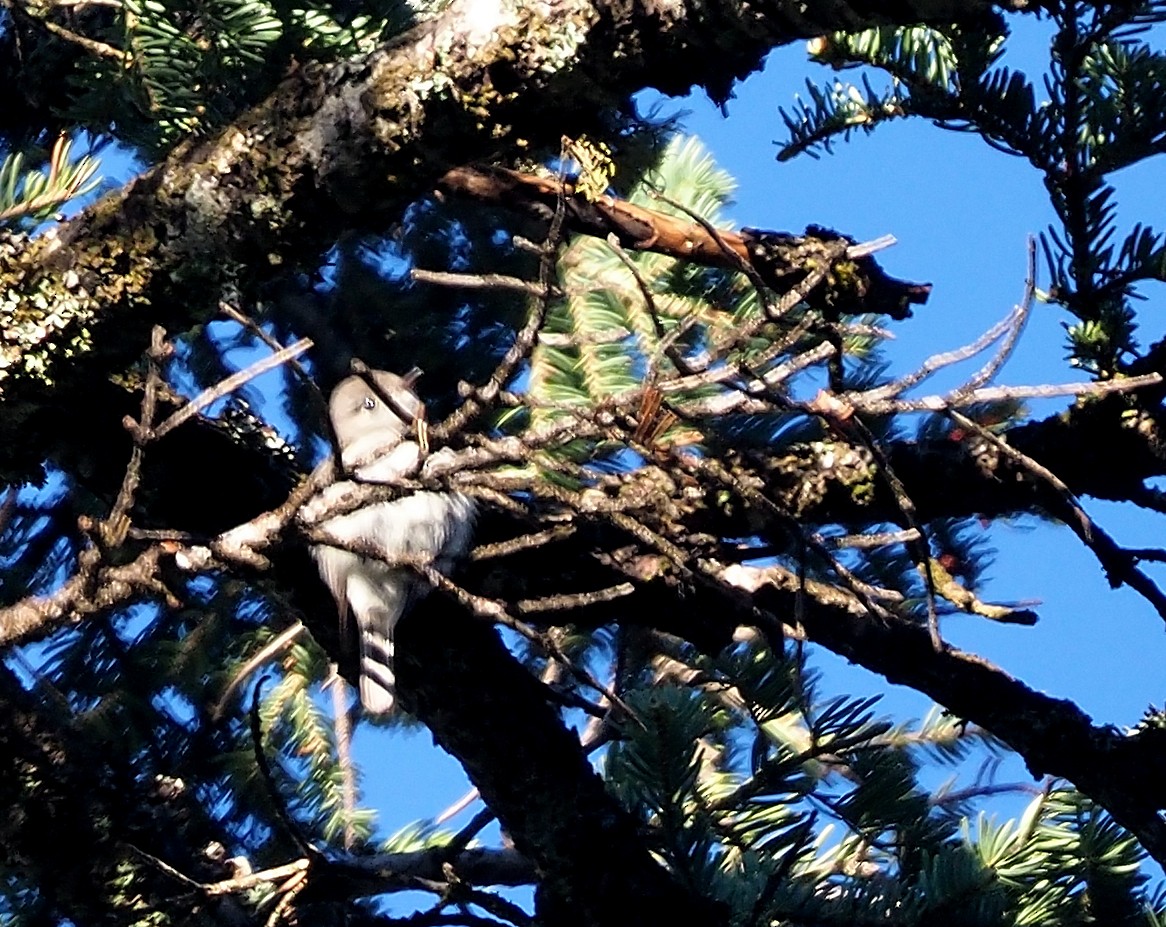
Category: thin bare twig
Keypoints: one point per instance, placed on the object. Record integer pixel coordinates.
(735, 258)
(861, 402)
(483, 282)
(101, 49)
(274, 646)
(937, 362)
(840, 418)
(114, 527)
(665, 341)
(575, 338)
(865, 541)
(987, 790)
(771, 311)
(230, 384)
(572, 600)
(715, 469)
(257, 331)
(874, 246)
(526, 338)
(1019, 319)
(457, 807)
(496, 611)
(1119, 565)
(521, 543)
(343, 733)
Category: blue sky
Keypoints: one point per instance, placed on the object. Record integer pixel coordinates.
(962, 213)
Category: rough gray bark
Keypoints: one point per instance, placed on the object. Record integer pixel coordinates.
(341, 147)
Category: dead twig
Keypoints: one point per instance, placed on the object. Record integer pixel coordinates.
(342, 729)
(521, 543)
(1119, 564)
(483, 282)
(112, 530)
(229, 385)
(527, 336)
(93, 46)
(961, 400)
(496, 612)
(1019, 319)
(1009, 328)
(665, 340)
(269, 650)
(571, 600)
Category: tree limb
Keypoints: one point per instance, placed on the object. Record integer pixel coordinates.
(343, 146)
(1122, 772)
(780, 260)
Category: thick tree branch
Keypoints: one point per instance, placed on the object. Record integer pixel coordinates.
(821, 483)
(486, 709)
(961, 477)
(491, 714)
(340, 146)
(478, 866)
(1122, 772)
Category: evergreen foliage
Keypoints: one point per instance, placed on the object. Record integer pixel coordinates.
(751, 786)
(1104, 90)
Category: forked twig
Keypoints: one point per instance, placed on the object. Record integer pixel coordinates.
(496, 611)
(665, 340)
(1119, 564)
(1019, 320)
(114, 527)
(527, 336)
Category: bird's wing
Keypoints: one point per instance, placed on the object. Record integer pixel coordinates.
(431, 526)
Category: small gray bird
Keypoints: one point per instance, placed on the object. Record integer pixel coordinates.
(372, 427)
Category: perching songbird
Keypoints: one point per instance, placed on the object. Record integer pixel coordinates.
(372, 430)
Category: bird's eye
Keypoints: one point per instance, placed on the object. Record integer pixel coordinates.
(369, 402)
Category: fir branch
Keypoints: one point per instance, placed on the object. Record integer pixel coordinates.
(32, 194)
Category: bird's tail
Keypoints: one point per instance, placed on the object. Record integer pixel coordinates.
(376, 667)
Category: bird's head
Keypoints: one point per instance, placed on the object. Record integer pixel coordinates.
(371, 414)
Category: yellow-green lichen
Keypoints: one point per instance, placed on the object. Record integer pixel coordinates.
(812, 470)
(46, 318)
(455, 66)
(845, 276)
